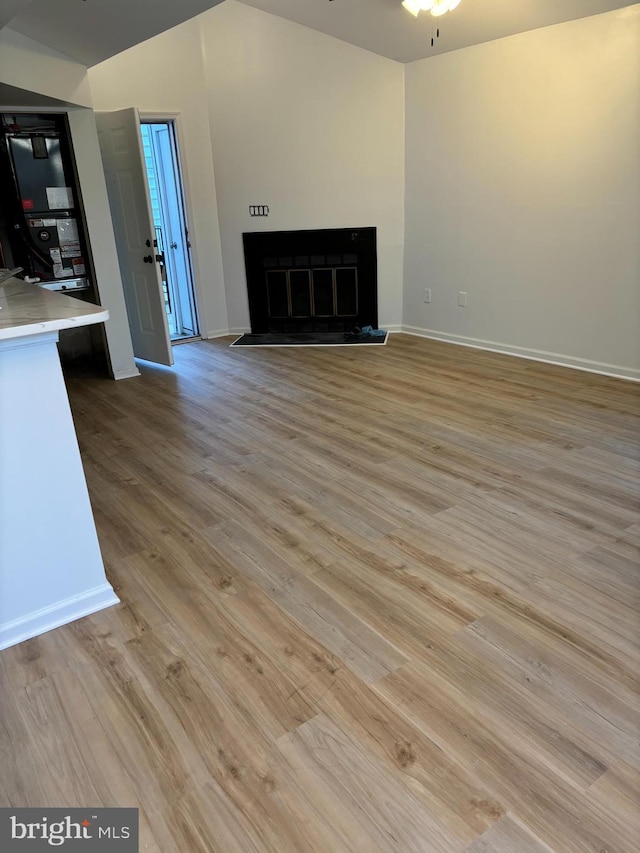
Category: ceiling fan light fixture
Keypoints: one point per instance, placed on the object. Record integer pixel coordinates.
(436, 7)
(416, 6)
(439, 8)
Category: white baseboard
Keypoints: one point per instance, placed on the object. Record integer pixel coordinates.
(615, 370)
(223, 333)
(60, 613)
(126, 373)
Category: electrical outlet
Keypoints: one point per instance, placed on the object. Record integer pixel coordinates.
(427, 294)
(462, 299)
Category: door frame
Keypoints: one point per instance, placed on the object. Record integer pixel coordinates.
(175, 117)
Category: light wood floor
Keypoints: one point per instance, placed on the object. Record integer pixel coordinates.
(373, 599)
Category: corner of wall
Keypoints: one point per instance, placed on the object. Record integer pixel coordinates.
(34, 67)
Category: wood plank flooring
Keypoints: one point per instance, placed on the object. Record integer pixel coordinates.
(373, 599)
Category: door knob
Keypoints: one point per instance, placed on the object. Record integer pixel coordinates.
(173, 245)
(148, 259)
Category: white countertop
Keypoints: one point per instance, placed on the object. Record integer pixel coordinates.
(26, 309)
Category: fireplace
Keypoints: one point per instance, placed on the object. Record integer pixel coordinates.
(311, 281)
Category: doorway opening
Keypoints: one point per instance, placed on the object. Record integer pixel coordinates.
(162, 164)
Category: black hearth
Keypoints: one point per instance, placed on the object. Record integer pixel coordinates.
(312, 281)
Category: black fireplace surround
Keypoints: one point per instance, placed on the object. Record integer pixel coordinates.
(311, 281)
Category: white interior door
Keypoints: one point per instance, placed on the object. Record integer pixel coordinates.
(122, 157)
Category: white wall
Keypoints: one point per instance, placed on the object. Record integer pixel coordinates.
(51, 569)
(297, 120)
(523, 189)
(164, 76)
(32, 66)
(309, 125)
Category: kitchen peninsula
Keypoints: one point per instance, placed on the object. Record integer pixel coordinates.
(51, 569)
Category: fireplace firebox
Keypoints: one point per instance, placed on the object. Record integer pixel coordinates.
(311, 281)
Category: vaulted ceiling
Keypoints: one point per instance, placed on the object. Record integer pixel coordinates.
(386, 28)
(90, 31)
